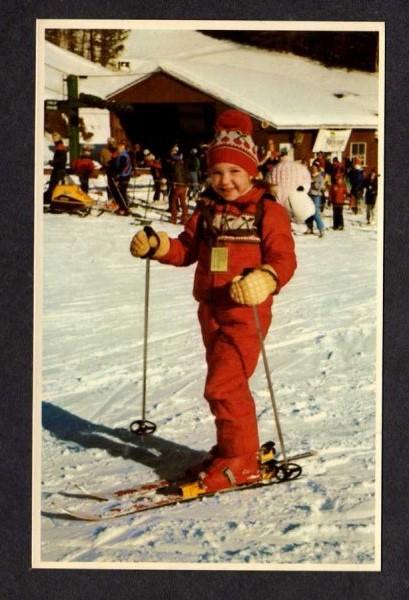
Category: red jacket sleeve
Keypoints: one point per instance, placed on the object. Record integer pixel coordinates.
(184, 249)
(277, 242)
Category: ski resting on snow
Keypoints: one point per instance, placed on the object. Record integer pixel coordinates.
(161, 492)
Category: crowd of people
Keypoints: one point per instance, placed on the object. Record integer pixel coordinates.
(176, 178)
(347, 182)
(179, 177)
(329, 183)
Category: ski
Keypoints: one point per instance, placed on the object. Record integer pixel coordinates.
(141, 489)
(146, 488)
(161, 493)
(169, 495)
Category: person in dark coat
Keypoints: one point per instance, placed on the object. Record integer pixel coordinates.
(179, 185)
(123, 170)
(58, 164)
(371, 192)
(356, 179)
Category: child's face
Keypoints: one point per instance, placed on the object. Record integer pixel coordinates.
(229, 181)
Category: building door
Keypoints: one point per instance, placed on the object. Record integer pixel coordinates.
(158, 127)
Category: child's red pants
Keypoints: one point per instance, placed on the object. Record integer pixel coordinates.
(232, 350)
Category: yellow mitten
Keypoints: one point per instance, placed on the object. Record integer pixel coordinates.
(254, 287)
(154, 245)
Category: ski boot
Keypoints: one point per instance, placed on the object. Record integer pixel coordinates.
(266, 453)
(222, 473)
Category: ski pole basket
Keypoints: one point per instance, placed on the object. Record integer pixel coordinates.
(289, 471)
(142, 427)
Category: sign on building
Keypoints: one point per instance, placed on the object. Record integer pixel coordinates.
(331, 140)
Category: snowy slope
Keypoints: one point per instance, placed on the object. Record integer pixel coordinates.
(321, 348)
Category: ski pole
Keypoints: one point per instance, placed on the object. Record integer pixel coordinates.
(143, 426)
(270, 387)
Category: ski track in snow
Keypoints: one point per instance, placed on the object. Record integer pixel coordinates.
(321, 351)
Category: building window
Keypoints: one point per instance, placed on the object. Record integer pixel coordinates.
(358, 151)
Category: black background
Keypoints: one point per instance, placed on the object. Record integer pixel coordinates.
(17, 93)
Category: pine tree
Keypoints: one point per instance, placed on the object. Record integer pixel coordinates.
(350, 49)
(111, 44)
(98, 45)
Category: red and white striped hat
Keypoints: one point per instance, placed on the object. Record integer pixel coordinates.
(233, 142)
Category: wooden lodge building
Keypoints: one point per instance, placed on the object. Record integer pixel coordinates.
(168, 111)
(183, 79)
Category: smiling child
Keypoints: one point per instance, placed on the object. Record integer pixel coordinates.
(241, 240)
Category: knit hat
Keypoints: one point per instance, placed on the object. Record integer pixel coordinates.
(233, 142)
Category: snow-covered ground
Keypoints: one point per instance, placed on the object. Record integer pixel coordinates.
(322, 353)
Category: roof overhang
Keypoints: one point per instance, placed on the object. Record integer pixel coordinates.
(243, 102)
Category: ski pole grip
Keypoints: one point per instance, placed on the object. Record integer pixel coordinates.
(151, 233)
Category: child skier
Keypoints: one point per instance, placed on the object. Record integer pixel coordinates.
(241, 240)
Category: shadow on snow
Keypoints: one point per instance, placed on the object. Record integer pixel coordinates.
(167, 459)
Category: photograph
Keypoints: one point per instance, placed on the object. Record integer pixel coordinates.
(208, 295)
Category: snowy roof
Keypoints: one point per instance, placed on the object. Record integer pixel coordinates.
(284, 89)
(287, 91)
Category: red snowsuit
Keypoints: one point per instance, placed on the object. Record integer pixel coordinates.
(228, 329)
